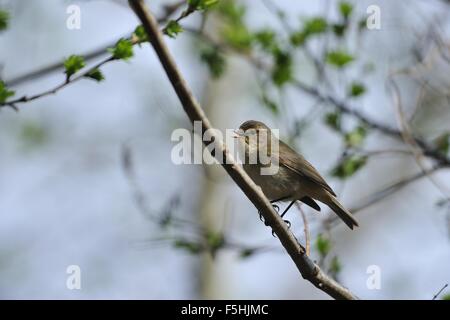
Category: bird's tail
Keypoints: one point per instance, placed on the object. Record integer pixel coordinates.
(343, 213)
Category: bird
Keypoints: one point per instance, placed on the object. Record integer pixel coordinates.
(295, 180)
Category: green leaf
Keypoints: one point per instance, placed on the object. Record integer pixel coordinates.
(298, 38)
(140, 34)
(323, 245)
(96, 75)
(356, 137)
(73, 64)
(356, 89)
(235, 31)
(442, 143)
(237, 36)
(349, 166)
(266, 39)
(315, 25)
(4, 92)
(362, 24)
(215, 240)
(33, 134)
(282, 71)
(202, 4)
(446, 297)
(333, 120)
(339, 58)
(335, 265)
(4, 20)
(123, 50)
(339, 29)
(311, 27)
(247, 253)
(191, 247)
(173, 28)
(345, 8)
(214, 60)
(232, 12)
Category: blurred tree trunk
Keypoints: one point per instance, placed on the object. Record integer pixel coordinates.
(215, 205)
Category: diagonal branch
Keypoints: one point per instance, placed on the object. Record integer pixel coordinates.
(427, 149)
(308, 269)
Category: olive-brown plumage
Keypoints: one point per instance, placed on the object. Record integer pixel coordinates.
(296, 178)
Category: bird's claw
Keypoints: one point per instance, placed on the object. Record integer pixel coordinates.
(288, 223)
(262, 219)
(260, 216)
(277, 208)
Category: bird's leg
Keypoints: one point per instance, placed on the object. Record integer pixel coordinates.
(285, 211)
(288, 207)
(288, 223)
(277, 208)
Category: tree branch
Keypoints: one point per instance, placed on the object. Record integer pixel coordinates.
(169, 10)
(427, 149)
(305, 229)
(54, 90)
(345, 108)
(308, 269)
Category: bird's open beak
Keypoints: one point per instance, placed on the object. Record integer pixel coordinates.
(236, 134)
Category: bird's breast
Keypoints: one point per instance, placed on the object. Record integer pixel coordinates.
(279, 185)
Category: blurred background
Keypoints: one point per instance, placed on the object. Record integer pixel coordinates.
(86, 176)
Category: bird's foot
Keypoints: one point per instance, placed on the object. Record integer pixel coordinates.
(277, 208)
(288, 223)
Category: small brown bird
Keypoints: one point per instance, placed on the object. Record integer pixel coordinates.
(296, 179)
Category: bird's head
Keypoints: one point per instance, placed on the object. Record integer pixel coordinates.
(255, 137)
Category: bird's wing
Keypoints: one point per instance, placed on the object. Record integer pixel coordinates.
(295, 162)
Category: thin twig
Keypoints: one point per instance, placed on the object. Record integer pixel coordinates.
(14, 102)
(169, 10)
(382, 194)
(308, 269)
(162, 217)
(305, 229)
(59, 87)
(371, 153)
(408, 137)
(439, 292)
